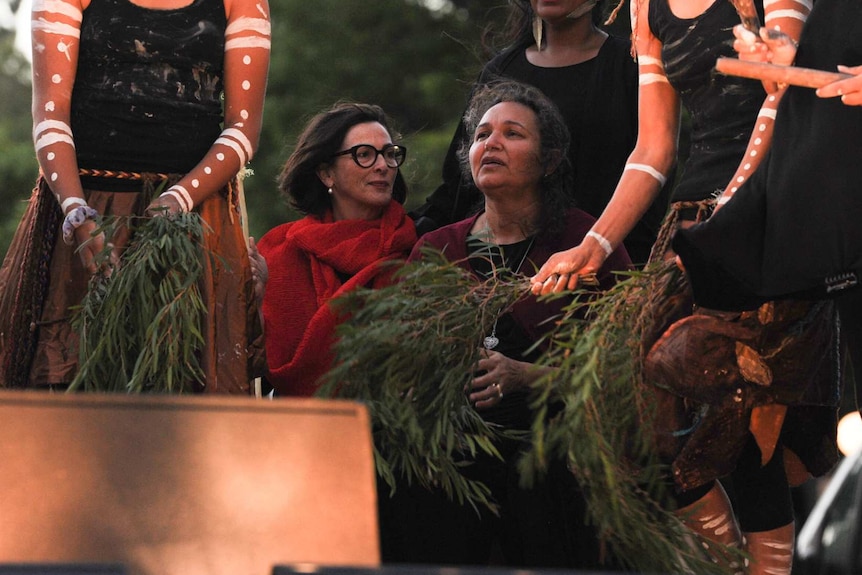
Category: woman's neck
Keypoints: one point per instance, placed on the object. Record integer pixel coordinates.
(505, 224)
(160, 4)
(567, 42)
(689, 8)
(352, 211)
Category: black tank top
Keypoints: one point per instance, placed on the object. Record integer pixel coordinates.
(722, 108)
(148, 88)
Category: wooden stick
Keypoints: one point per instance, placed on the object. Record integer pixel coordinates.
(747, 14)
(793, 75)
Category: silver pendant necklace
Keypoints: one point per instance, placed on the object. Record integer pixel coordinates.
(492, 341)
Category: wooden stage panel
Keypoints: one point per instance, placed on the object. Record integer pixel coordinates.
(184, 485)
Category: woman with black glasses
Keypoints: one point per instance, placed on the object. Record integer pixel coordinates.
(343, 175)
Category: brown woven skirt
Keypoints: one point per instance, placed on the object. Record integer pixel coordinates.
(696, 373)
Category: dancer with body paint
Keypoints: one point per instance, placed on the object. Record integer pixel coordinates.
(677, 43)
(755, 248)
(145, 107)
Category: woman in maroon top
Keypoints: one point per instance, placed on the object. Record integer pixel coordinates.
(516, 156)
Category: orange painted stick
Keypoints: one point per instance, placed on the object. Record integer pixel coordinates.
(793, 75)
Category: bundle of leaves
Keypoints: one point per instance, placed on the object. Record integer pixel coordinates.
(408, 352)
(140, 325)
(603, 428)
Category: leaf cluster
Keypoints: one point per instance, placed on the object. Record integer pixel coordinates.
(139, 324)
(603, 430)
(408, 352)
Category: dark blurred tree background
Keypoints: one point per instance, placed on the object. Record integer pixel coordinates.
(18, 166)
(417, 59)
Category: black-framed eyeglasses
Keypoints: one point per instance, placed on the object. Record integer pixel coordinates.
(365, 155)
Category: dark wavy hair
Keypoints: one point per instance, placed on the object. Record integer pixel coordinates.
(322, 137)
(555, 186)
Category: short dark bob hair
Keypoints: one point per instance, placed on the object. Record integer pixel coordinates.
(322, 137)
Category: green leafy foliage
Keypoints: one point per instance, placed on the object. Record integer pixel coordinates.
(408, 351)
(140, 326)
(603, 432)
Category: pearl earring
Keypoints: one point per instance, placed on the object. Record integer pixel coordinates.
(329, 191)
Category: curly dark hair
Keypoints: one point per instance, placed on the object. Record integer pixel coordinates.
(322, 137)
(555, 187)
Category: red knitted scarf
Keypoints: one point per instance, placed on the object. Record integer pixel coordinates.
(305, 259)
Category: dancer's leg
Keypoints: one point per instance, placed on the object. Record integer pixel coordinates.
(765, 511)
(711, 517)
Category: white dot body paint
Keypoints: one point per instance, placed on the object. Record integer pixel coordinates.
(246, 59)
(56, 78)
(246, 85)
(49, 106)
(196, 183)
(208, 170)
(220, 157)
(244, 114)
(54, 177)
(746, 167)
(758, 141)
(51, 155)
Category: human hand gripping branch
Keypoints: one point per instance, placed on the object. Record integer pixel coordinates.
(564, 269)
(643, 175)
